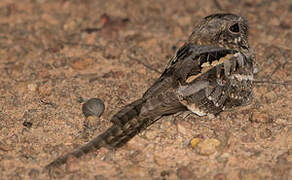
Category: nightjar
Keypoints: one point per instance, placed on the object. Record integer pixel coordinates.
(211, 72)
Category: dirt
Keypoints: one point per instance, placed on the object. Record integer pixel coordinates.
(54, 54)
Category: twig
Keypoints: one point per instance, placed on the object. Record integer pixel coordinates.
(144, 64)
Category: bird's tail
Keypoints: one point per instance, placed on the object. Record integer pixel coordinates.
(127, 124)
(108, 138)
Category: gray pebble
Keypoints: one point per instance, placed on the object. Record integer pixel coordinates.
(93, 107)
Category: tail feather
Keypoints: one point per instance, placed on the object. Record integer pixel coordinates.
(127, 123)
(90, 146)
(125, 126)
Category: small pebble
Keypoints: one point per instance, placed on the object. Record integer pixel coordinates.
(207, 147)
(194, 142)
(93, 107)
(164, 173)
(27, 124)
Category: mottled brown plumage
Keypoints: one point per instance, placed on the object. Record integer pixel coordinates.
(211, 72)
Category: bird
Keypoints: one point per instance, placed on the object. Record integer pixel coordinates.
(210, 73)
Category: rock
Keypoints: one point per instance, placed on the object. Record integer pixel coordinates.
(194, 142)
(93, 107)
(207, 147)
(165, 173)
(27, 124)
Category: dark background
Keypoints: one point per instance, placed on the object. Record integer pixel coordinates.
(56, 53)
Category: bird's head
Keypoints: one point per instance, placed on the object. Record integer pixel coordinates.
(224, 30)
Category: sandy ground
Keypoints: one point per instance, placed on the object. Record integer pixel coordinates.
(54, 54)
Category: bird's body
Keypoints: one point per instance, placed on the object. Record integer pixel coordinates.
(211, 72)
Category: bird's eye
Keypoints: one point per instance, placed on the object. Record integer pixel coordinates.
(234, 28)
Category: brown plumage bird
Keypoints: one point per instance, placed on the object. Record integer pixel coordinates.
(211, 72)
